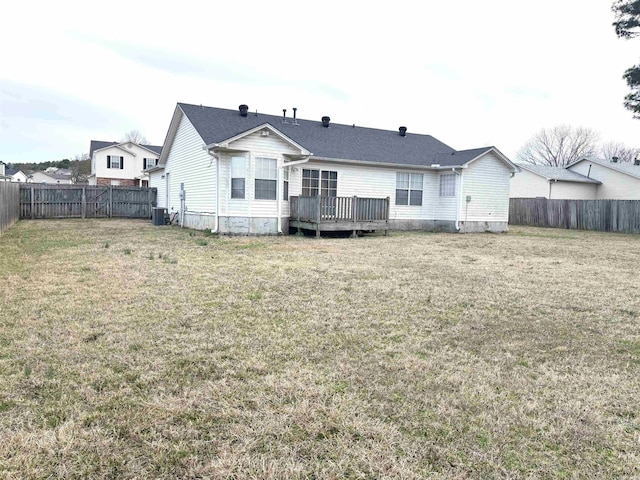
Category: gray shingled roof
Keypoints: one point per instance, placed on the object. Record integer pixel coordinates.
(338, 141)
(558, 174)
(99, 144)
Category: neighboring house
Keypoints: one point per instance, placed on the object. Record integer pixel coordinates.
(121, 163)
(539, 181)
(17, 175)
(53, 178)
(620, 180)
(585, 179)
(235, 172)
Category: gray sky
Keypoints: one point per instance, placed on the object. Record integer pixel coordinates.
(469, 73)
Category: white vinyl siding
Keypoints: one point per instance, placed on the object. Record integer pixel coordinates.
(573, 191)
(526, 184)
(188, 163)
(156, 180)
(486, 181)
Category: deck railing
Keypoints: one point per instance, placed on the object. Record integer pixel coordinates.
(339, 209)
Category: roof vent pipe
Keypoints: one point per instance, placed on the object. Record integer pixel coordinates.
(614, 159)
(284, 115)
(244, 110)
(403, 131)
(636, 161)
(294, 115)
(325, 121)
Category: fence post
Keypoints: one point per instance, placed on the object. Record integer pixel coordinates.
(84, 202)
(33, 203)
(110, 200)
(149, 200)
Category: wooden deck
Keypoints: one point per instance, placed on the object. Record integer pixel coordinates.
(331, 214)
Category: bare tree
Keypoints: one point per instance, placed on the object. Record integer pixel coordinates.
(609, 150)
(559, 146)
(135, 136)
(79, 165)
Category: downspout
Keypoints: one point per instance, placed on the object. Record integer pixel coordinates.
(279, 200)
(458, 207)
(217, 219)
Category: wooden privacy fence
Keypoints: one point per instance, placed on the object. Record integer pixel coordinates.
(603, 215)
(9, 204)
(74, 201)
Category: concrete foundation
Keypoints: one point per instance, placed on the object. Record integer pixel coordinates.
(252, 226)
(199, 221)
(481, 227)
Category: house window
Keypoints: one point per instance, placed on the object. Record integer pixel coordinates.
(448, 185)
(285, 184)
(115, 161)
(266, 178)
(115, 183)
(409, 188)
(149, 162)
(329, 184)
(238, 177)
(310, 182)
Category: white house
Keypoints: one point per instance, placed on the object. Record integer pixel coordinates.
(53, 178)
(124, 163)
(585, 179)
(233, 171)
(17, 175)
(619, 180)
(539, 181)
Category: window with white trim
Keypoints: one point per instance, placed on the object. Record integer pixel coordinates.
(115, 161)
(285, 184)
(328, 183)
(149, 162)
(266, 182)
(114, 183)
(448, 185)
(238, 177)
(310, 182)
(409, 188)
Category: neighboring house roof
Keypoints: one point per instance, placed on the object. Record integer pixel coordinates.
(55, 176)
(557, 174)
(99, 145)
(624, 167)
(11, 171)
(341, 142)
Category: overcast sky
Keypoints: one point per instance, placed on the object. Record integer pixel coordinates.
(471, 73)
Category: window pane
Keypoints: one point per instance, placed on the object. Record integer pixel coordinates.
(266, 168)
(238, 167)
(402, 197)
(237, 188)
(416, 181)
(416, 197)
(265, 189)
(402, 181)
(447, 185)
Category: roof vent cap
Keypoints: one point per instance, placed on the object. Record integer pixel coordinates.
(244, 110)
(636, 161)
(614, 159)
(403, 131)
(325, 121)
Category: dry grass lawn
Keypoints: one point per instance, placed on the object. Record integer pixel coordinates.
(133, 351)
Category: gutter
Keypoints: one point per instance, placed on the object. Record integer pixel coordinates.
(217, 218)
(458, 207)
